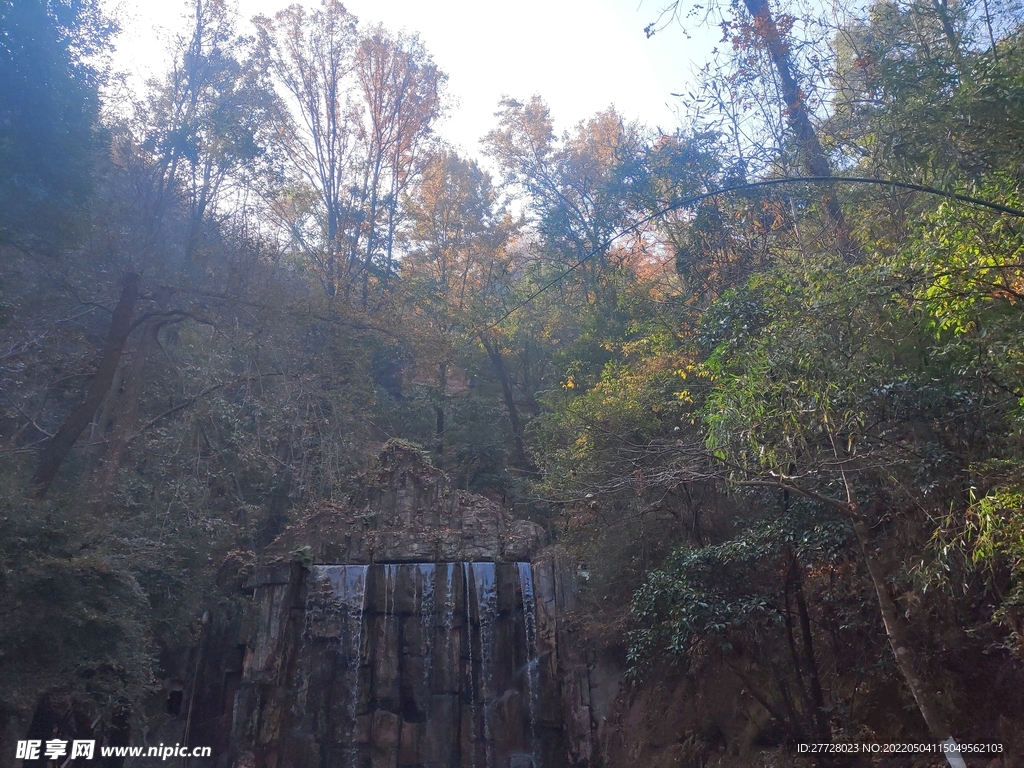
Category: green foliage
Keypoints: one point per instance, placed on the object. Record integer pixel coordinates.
(995, 528)
(834, 376)
(75, 622)
(303, 555)
(726, 594)
(922, 94)
(635, 398)
(788, 352)
(49, 108)
(990, 534)
(969, 266)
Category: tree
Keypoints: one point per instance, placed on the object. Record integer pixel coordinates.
(207, 122)
(311, 55)
(53, 453)
(767, 32)
(586, 190)
(459, 263)
(918, 96)
(202, 126)
(579, 187)
(49, 108)
(365, 105)
(823, 388)
(742, 604)
(401, 91)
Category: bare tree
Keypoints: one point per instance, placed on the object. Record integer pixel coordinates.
(364, 106)
(401, 91)
(311, 55)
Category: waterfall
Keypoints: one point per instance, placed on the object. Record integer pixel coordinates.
(532, 660)
(390, 579)
(448, 621)
(374, 684)
(469, 666)
(425, 577)
(346, 584)
(448, 615)
(486, 593)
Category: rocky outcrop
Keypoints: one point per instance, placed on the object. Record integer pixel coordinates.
(404, 511)
(673, 719)
(404, 627)
(668, 720)
(411, 625)
(381, 666)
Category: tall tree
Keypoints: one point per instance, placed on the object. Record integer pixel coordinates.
(401, 90)
(49, 108)
(767, 31)
(578, 189)
(56, 449)
(364, 105)
(312, 56)
(460, 260)
(207, 121)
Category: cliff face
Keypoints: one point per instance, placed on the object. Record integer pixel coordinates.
(405, 512)
(447, 664)
(415, 626)
(675, 720)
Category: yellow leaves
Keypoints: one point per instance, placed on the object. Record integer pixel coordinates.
(689, 368)
(570, 382)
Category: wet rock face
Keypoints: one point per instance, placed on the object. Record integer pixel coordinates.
(433, 645)
(413, 664)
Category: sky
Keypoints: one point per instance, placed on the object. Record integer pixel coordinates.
(581, 56)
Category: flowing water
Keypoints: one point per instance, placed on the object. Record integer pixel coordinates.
(532, 660)
(347, 585)
(471, 708)
(485, 592)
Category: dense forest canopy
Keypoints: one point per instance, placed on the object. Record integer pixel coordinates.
(783, 425)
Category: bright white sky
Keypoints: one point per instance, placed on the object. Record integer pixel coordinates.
(580, 55)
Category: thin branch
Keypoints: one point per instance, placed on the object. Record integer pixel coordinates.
(847, 508)
(171, 411)
(691, 201)
(32, 421)
(181, 313)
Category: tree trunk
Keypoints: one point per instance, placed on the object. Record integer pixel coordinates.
(817, 697)
(280, 494)
(442, 380)
(895, 629)
(510, 403)
(897, 634)
(120, 413)
(813, 156)
(55, 451)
